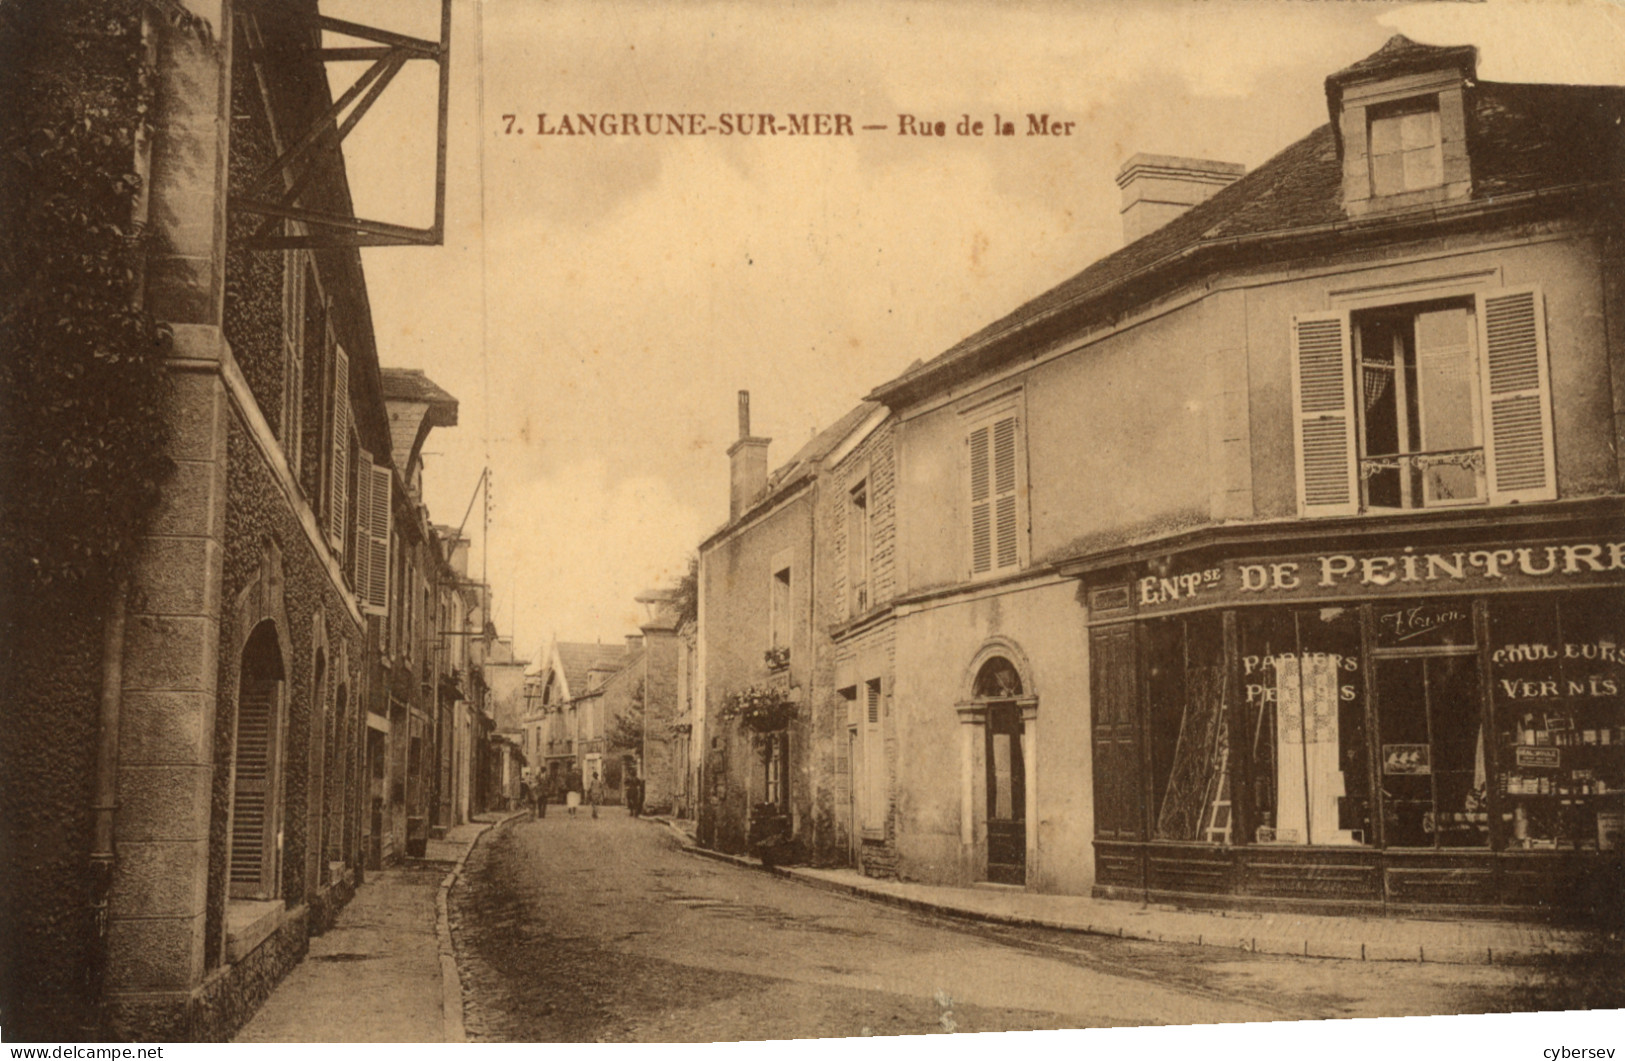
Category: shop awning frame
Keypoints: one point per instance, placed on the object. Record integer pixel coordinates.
(274, 193)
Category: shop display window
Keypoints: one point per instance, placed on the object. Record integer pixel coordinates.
(1557, 670)
(1190, 740)
(1302, 687)
(1432, 757)
(1434, 771)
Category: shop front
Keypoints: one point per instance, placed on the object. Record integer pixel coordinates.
(1383, 723)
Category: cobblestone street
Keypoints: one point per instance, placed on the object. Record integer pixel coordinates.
(571, 929)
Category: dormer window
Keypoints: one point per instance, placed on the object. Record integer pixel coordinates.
(1400, 118)
(1406, 151)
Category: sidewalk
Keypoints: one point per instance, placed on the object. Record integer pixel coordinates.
(1307, 935)
(384, 972)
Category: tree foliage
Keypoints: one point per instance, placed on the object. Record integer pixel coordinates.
(625, 730)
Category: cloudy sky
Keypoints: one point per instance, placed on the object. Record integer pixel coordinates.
(600, 300)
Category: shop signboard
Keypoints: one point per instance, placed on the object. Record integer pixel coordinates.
(1403, 571)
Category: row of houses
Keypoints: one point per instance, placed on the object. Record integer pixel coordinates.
(209, 745)
(1276, 559)
(613, 713)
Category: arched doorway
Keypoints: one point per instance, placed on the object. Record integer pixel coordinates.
(998, 774)
(257, 768)
(998, 689)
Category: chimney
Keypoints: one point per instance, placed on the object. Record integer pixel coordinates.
(747, 464)
(1158, 188)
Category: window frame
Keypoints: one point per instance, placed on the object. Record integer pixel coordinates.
(1514, 400)
(859, 546)
(1406, 366)
(1398, 109)
(1003, 557)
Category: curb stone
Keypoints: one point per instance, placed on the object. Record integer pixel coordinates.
(451, 980)
(1351, 950)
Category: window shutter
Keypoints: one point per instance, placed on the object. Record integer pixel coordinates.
(363, 521)
(1517, 397)
(874, 765)
(376, 483)
(1323, 415)
(339, 482)
(981, 503)
(251, 856)
(1005, 523)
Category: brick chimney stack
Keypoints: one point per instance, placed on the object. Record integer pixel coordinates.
(747, 464)
(1158, 188)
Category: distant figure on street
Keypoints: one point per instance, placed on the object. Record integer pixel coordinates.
(572, 798)
(634, 796)
(595, 794)
(543, 784)
(524, 797)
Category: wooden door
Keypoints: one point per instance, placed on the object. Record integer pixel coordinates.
(1118, 813)
(1006, 796)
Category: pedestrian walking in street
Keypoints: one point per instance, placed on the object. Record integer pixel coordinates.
(595, 794)
(634, 796)
(544, 785)
(572, 797)
(524, 797)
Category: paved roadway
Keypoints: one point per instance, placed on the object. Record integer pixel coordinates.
(574, 929)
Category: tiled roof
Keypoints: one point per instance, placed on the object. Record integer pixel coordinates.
(578, 658)
(1401, 55)
(1521, 138)
(819, 446)
(411, 385)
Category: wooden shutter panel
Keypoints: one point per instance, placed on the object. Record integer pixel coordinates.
(1323, 415)
(338, 497)
(376, 484)
(1117, 754)
(252, 856)
(1006, 526)
(874, 764)
(1517, 396)
(981, 503)
(363, 521)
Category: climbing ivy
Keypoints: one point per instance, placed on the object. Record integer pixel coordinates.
(82, 434)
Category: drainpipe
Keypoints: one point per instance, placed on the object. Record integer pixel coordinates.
(107, 733)
(103, 853)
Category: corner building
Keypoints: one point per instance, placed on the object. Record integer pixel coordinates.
(1277, 558)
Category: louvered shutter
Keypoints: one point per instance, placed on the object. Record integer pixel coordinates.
(376, 482)
(339, 482)
(1517, 396)
(252, 854)
(1006, 525)
(1323, 415)
(981, 503)
(874, 765)
(362, 562)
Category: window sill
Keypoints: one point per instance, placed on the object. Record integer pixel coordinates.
(248, 924)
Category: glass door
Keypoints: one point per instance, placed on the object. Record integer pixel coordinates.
(1432, 765)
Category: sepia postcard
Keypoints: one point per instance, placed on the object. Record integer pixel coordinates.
(625, 521)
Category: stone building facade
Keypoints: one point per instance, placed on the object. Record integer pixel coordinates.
(214, 713)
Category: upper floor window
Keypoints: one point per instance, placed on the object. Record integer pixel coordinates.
(996, 516)
(857, 547)
(1421, 427)
(1406, 150)
(1423, 405)
(779, 609)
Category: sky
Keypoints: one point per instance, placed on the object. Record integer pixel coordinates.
(599, 300)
